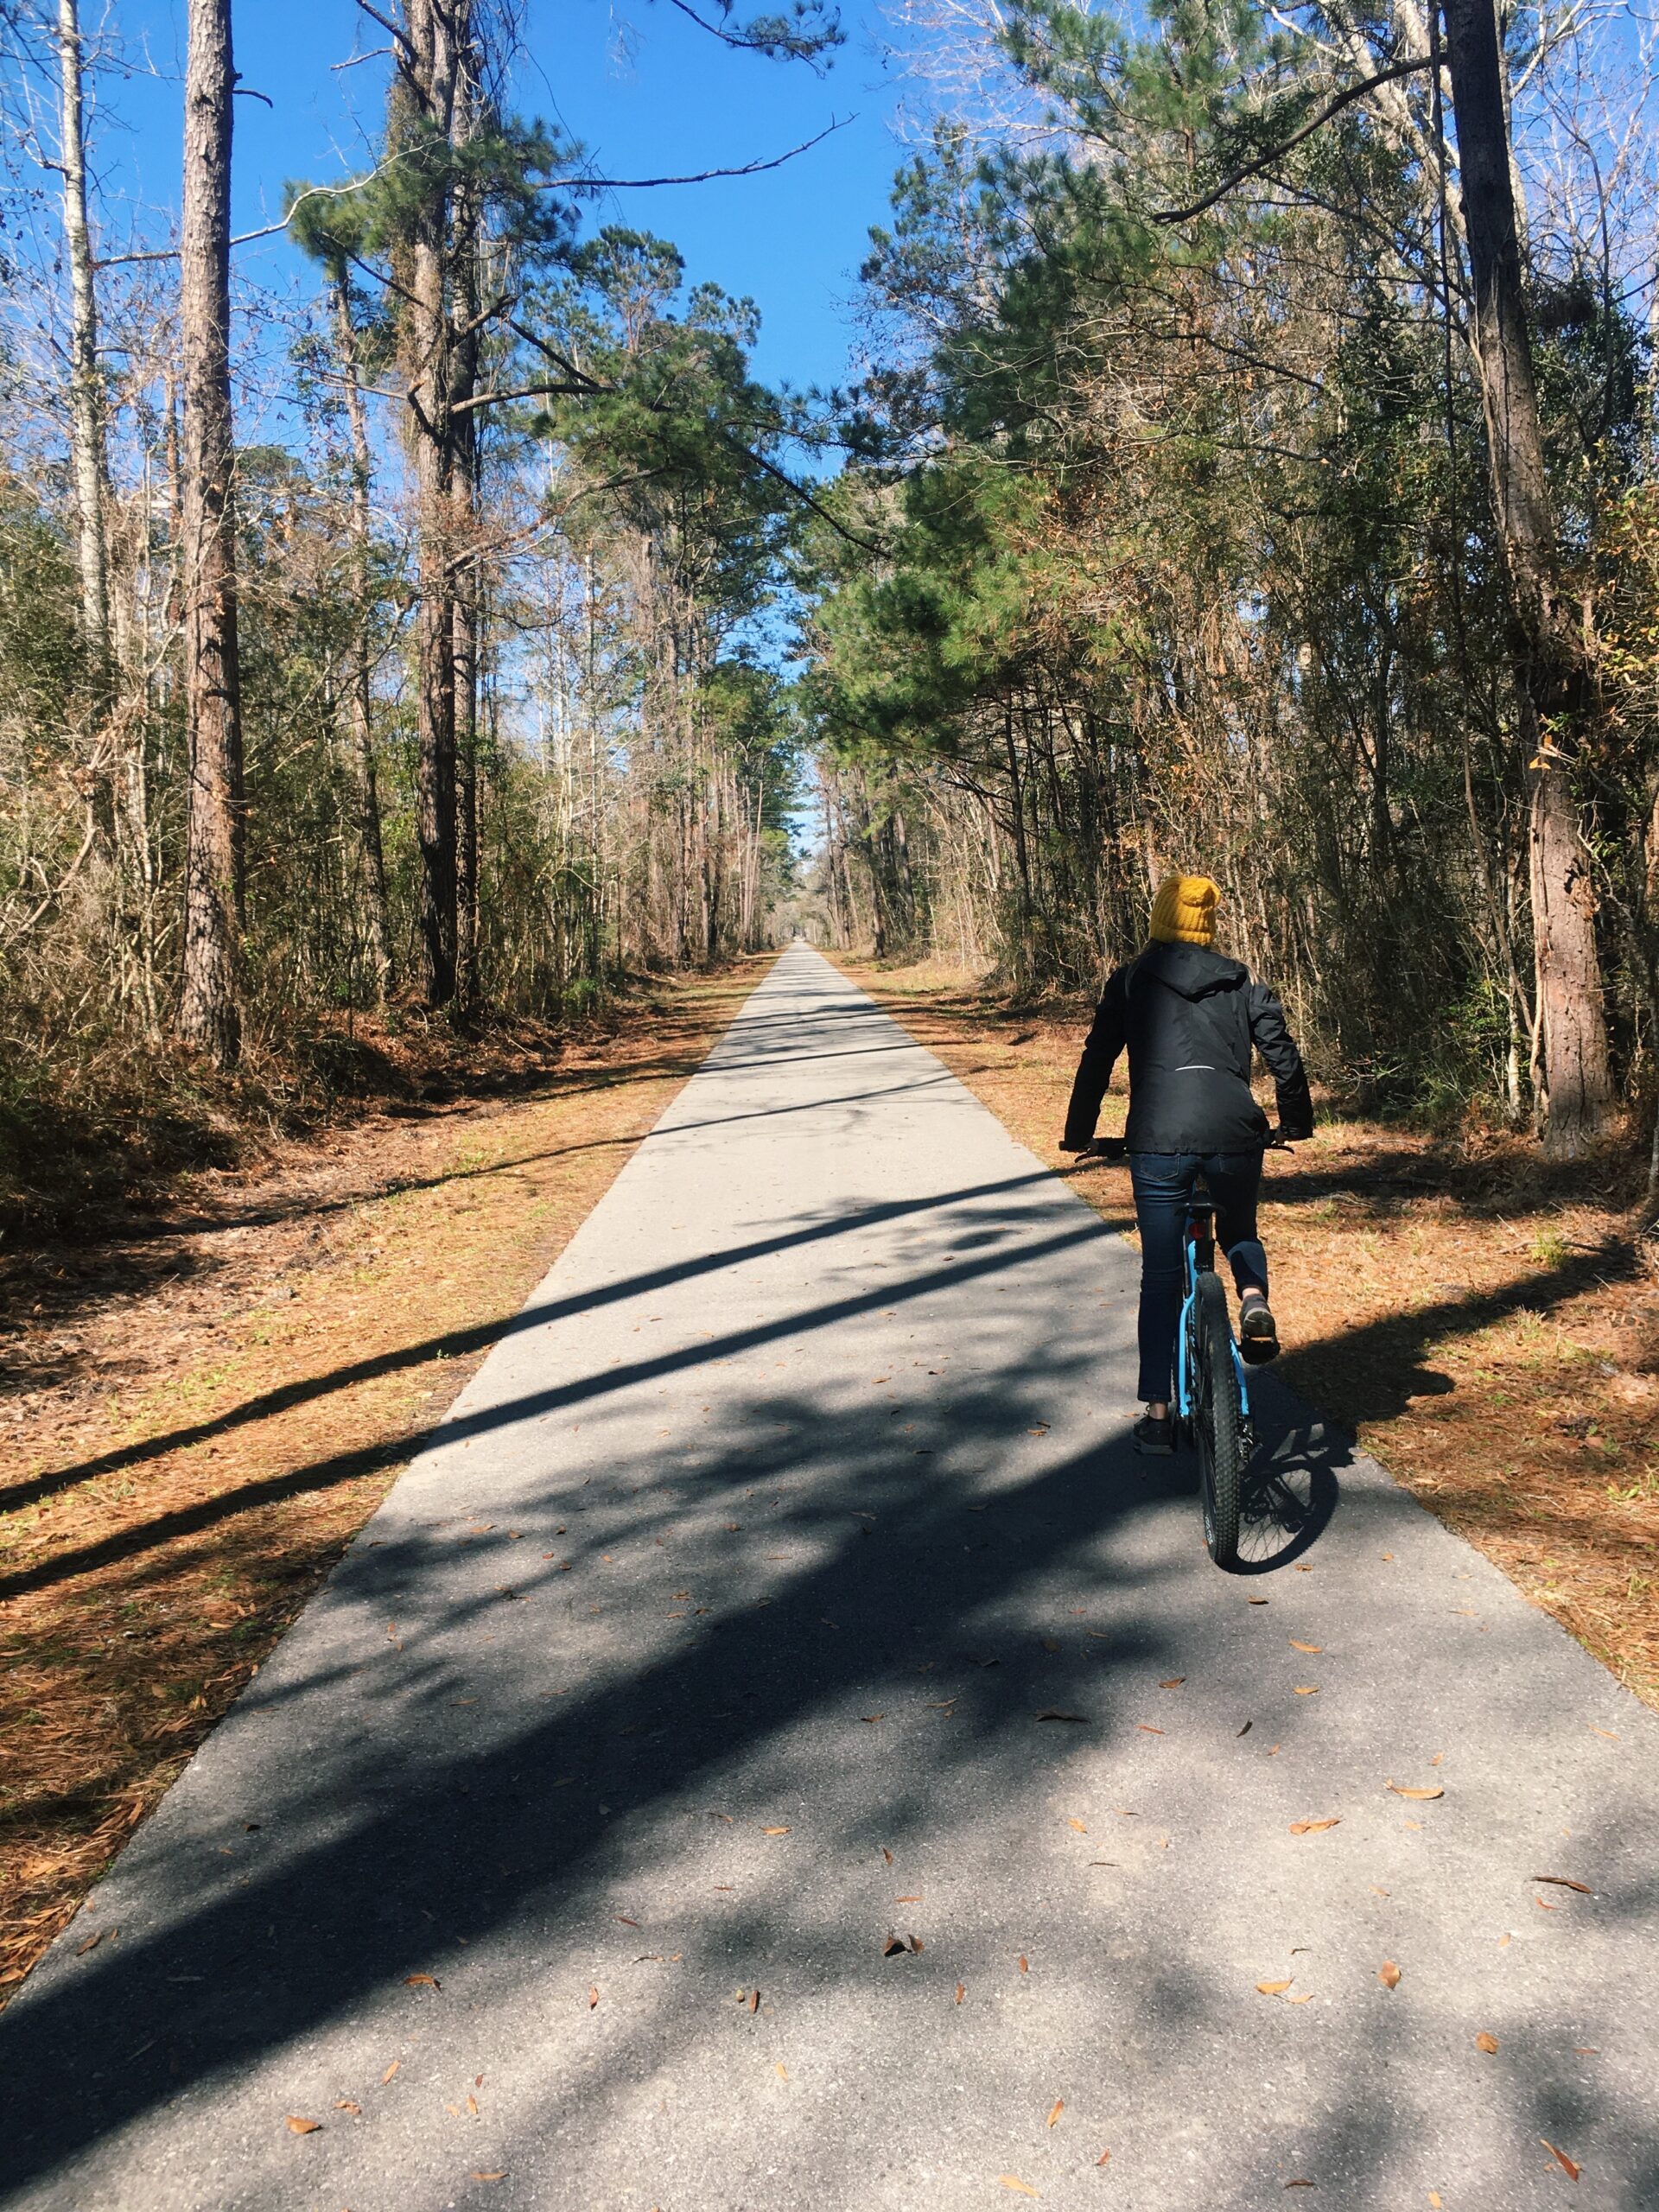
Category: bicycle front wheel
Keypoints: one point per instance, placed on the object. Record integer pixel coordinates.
(1218, 1421)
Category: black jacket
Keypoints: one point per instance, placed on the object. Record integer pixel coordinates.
(1189, 1018)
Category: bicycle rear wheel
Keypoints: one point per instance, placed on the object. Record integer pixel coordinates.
(1217, 1420)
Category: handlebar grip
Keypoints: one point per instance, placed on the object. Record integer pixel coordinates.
(1107, 1148)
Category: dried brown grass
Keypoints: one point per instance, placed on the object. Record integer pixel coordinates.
(202, 1405)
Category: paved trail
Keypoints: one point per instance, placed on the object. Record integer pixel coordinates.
(712, 1641)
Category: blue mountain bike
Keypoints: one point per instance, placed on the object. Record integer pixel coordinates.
(1211, 1404)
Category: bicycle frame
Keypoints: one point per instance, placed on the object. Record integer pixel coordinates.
(1198, 1257)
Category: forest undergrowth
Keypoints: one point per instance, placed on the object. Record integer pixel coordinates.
(206, 1391)
(1479, 1320)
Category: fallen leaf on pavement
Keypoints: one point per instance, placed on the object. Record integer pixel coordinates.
(1314, 1828)
(754, 2000)
(1274, 1988)
(344, 2104)
(1435, 2201)
(1255, 1601)
(1146, 1729)
(1307, 1690)
(1013, 2181)
(893, 1946)
(1607, 1733)
(1388, 1974)
(1544, 1906)
(477, 2174)
(1488, 2043)
(1049, 1712)
(625, 1922)
(1073, 1822)
(1302, 2185)
(914, 1899)
(781, 2070)
(1024, 1963)
(421, 1982)
(775, 1831)
(592, 1996)
(1305, 1646)
(886, 1854)
(1568, 2166)
(871, 1717)
(1058, 2107)
(1434, 1790)
(389, 2071)
(1560, 1882)
(298, 2127)
(472, 2106)
(1246, 1729)
(1306, 1997)
(917, 1944)
(1104, 2159)
(1174, 1683)
(962, 1991)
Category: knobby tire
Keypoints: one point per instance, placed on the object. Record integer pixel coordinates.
(1218, 1421)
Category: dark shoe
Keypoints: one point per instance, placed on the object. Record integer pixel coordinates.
(1258, 1334)
(1155, 1438)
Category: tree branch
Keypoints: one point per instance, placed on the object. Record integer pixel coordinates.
(270, 231)
(702, 176)
(553, 354)
(399, 38)
(1333, 106)
(782, 477)
(527, 392)
(744, 44)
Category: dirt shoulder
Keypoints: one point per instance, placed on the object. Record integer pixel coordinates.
(201, 1406)
(1481, 1323)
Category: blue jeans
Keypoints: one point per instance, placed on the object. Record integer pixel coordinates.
(1163, 1182)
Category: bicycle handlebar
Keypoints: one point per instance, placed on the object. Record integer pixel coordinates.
(1117, 1147)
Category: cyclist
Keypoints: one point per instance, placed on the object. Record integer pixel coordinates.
(1189, 1017)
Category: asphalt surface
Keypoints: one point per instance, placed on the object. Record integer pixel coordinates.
(715, 1646)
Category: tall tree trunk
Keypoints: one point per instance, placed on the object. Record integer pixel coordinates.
(466, 658)
(465, 581)
(209, 1015)
(429, 65)
(1573, 1070)
(362, 689)
(86, 396)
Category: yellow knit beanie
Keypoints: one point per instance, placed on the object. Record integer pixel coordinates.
(1184, 913)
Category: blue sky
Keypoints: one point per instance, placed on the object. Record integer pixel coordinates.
(645, 90)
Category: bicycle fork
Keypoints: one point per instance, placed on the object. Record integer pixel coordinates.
(1199, 1255)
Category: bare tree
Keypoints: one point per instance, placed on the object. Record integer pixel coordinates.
(362, 675)
(429, 60)
(209, 1014)
(85, 396)
(1572, 1071)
